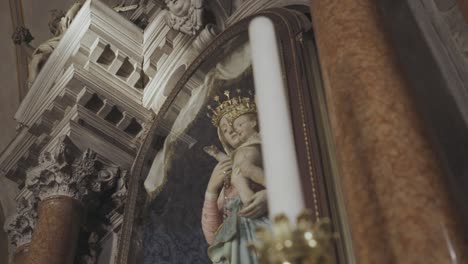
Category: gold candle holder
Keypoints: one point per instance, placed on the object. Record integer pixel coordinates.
(308, 243)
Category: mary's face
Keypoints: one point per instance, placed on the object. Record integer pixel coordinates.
(228, 133)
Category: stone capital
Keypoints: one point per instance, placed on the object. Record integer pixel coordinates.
(65, 171)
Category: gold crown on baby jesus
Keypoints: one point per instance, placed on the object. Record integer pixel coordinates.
(232, 108)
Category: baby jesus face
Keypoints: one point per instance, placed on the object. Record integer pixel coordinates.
(246, 159)
(245, 126)
(236, 134)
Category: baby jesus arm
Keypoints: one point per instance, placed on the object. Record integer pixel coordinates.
(214, 152)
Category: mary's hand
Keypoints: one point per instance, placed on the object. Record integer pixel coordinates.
(256, 207)
(217, 176)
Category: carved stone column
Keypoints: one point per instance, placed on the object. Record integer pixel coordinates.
(56, 235)
(20, 228)
(396, 198)
(63, 182)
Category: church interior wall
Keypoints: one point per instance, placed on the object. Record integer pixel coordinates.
(145, 65)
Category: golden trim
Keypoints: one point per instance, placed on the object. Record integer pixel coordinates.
(309, 242)
(309, 158)
(306, 133)
(330, 166)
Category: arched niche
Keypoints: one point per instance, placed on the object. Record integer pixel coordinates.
(314, 149)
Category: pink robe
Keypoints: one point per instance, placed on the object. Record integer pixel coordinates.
(212, 214)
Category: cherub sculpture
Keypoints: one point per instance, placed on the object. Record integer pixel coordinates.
(185, 15)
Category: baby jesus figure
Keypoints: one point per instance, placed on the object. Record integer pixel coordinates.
(247, 168)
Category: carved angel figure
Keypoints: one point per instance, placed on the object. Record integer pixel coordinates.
(185, 15)
(59, 22)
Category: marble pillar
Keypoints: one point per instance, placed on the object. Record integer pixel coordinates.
(61, 183)
(56, 234)
(395, 192)
(20, 256)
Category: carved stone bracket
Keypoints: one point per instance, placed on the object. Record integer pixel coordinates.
(185, 15)
(20, 226)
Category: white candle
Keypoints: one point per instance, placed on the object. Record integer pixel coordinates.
(279, 154)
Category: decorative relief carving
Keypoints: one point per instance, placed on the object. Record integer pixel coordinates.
(60, 172)
(185, 15)
(20, 226)
(54, 174)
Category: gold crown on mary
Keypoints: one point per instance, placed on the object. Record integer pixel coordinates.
(232, 107)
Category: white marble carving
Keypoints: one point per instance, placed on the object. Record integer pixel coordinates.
(20, 226)
(185, 15)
